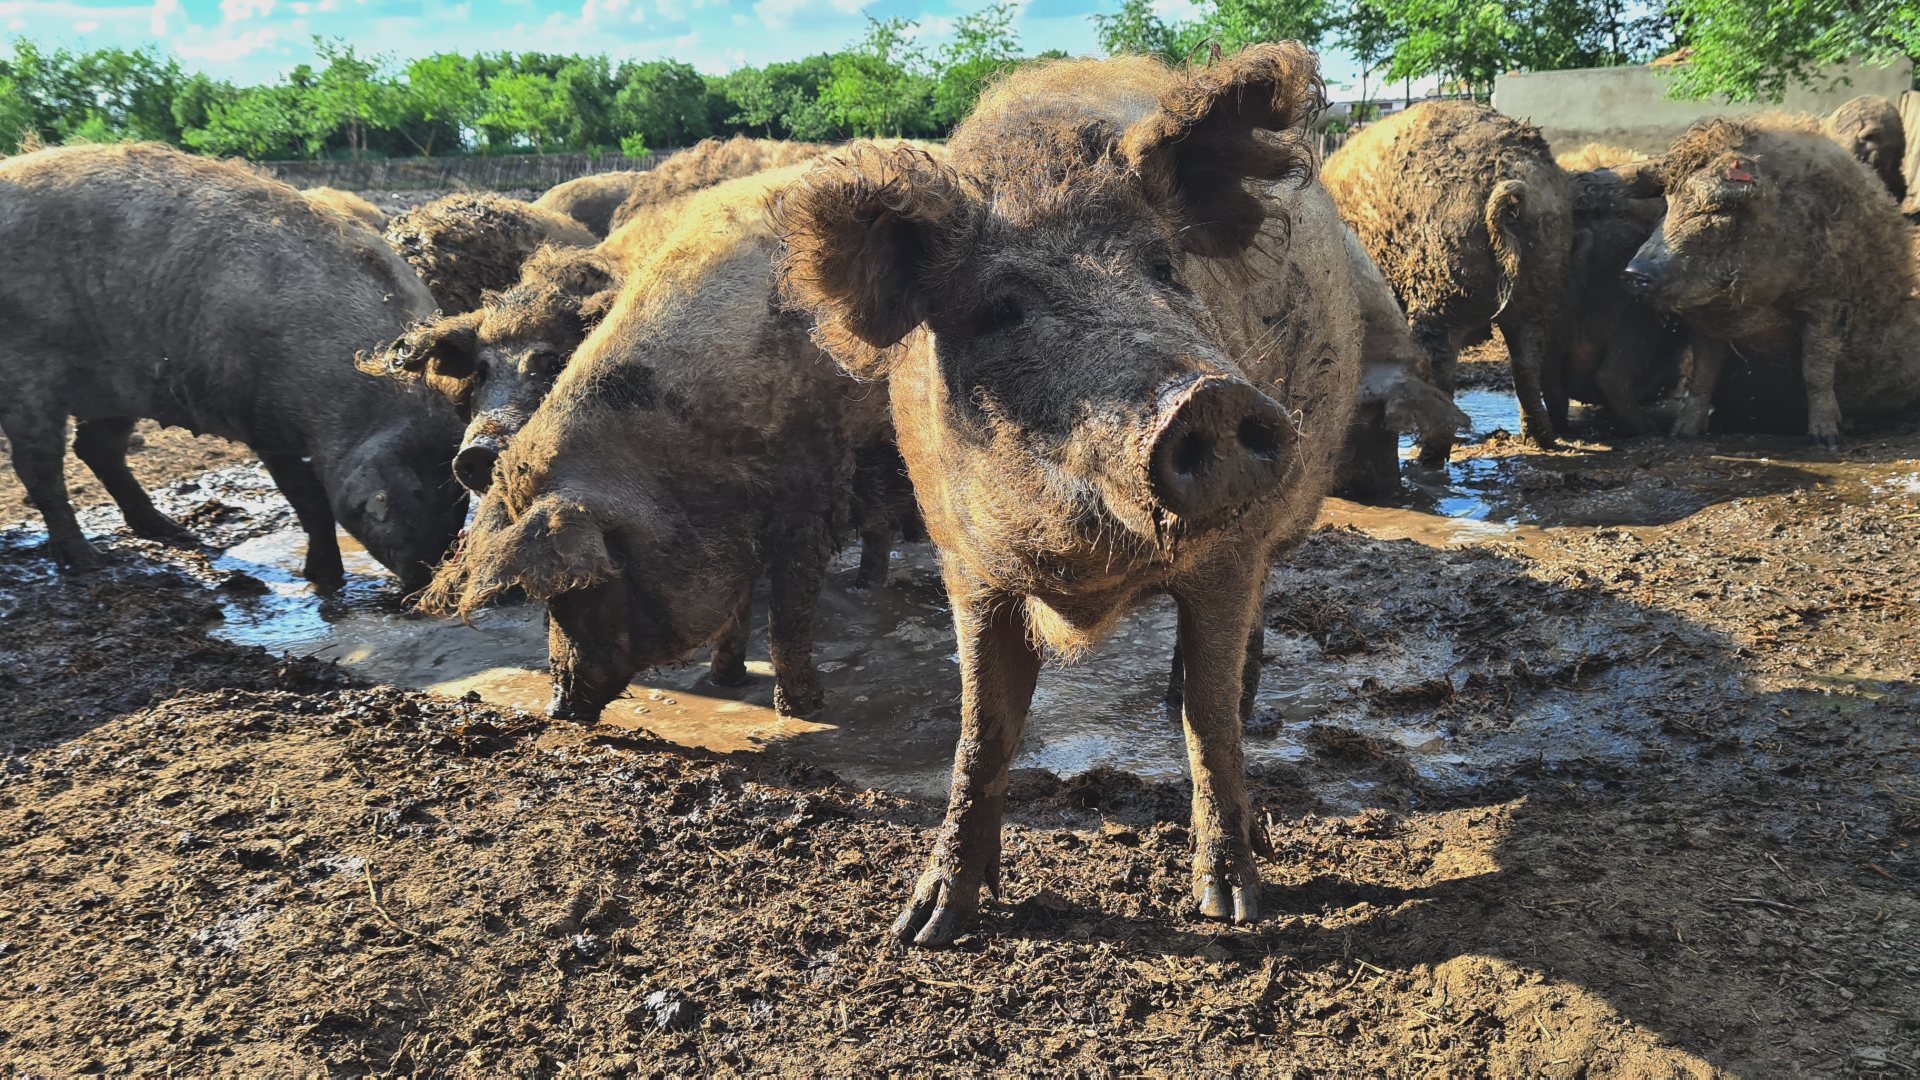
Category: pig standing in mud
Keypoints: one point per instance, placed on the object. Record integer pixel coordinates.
(143, 282)
(1123, 363)
(1794, 273)
(696, 437)
(1466, 214)
(1616, 350)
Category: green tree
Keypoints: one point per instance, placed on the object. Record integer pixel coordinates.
(1753, 50)
(260, 122)
(1368, 31)
(583, 92)
(1136, 29)
(16, 115)
(349, 96)
(1465, 41)
(878, 86)
(984, 47)
(662, 101)
(1236, 24)
(519, 112)
(441, 98)
(782, 100)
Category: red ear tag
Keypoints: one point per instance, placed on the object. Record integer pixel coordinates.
(1739, 175)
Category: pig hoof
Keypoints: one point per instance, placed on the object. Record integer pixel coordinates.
(1689, 427)
(164, 529)
(78, 558)
(1435, 457)
(561, 709)
(798, 702)
(939, 912)
(1222, 898)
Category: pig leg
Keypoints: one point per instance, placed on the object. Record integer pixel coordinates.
(1819, 349)
(102, 444)
(798, 569)
(1526, 354)
(1709, 357)
(1616, 382)
(39, 442)
(876, 524)
(1249, 674)
(1216, 636)
(297, 481)
(998, 666)
(1442, 347)
(729, 664)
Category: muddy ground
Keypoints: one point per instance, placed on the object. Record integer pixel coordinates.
(1611, 767)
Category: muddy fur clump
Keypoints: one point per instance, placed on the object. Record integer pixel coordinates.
(465, 244)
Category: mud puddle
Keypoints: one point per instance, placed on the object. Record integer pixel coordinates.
(888, 661)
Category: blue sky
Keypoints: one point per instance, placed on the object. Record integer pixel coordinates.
(257, 40)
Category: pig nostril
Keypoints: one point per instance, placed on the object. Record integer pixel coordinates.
(473, 467)
(1259, 437)
(1191, 456)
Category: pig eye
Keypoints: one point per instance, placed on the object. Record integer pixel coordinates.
(1163, 270)
(544, 365)
(997, 315)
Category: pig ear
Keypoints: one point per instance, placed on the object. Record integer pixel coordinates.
(593, 309)
(1210, 136)
(440, 348)
(863, 232)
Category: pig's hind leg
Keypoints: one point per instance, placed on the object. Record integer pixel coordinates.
(798, 568)
(39, 446)
(728, 667)
(102, 444)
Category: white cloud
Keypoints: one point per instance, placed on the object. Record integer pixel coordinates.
(87, 26)
(240, 10)
(163, 10)
(226, 48)
(780, 14)
(596, 12)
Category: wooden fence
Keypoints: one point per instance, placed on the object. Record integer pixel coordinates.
(508, 172)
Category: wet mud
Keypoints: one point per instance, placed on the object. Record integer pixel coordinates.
(1598, 761)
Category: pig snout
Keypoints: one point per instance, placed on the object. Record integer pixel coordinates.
(1641, 277)
(1222, 444)
(473, 465)
(1638, 278)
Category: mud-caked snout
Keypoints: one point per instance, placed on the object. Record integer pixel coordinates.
(1221, 445)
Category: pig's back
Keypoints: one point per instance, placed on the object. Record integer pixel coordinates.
(161, 284)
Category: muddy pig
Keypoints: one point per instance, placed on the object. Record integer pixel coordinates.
(1616, 351)
(144, 282)
(348, 205)
(466, 244)
(710, 162)
(591, 200)
(1869, 128)
(1794, 274)
(696, 437)
(1465, 212)
(1397, 391)
(1123, 361)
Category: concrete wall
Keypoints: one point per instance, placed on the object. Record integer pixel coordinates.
(1629, 106)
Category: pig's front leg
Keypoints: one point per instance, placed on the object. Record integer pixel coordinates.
(998, 667)
(1215, 626)
(1709, 357)
(1819, 351)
